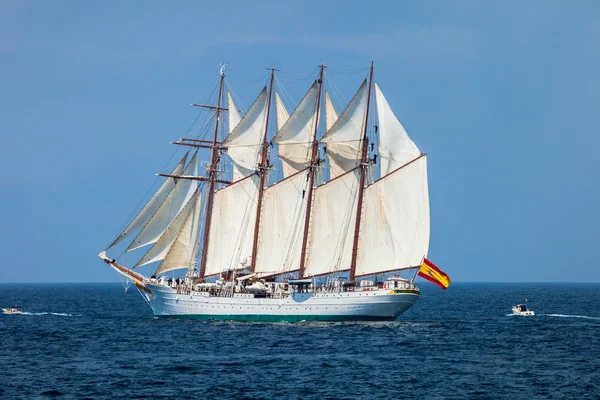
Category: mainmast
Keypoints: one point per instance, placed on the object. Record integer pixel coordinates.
(212, 176)
(312, 171)
(361, 187)
(262, 169)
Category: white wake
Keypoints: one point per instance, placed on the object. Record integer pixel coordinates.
(571, 316)
(51, 313)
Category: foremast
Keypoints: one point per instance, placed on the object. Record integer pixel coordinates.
(363, 174)
(262, 171)
(212, 177)
(311, 178)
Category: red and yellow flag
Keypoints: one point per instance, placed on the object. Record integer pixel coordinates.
(433, 274)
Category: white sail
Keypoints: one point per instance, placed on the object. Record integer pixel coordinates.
(332, 225)
(395, 227)
(282, 113)
(169, 208)
(244, 141)
(234, 114)
(232, 226)
(160, 249)
(150, 207)
(295, 137)
(331, 115)
(395, 145)
(344, 138)
(282, 225)
(183, 251)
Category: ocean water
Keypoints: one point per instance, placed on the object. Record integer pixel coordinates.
(98, 342)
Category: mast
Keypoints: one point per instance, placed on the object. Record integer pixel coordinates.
(262, 168)
(311, 178)
(361, 186)
(212, 176)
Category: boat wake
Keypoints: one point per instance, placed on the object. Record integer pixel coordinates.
(571, 316)
(46, 313)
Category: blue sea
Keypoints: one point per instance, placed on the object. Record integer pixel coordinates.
(97, 341)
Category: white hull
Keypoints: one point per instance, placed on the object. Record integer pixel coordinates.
(523, 311)
(382, 304)
(12, 311)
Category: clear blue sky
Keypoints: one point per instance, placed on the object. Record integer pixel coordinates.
(503, 96)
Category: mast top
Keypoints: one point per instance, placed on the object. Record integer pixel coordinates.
(222, 67)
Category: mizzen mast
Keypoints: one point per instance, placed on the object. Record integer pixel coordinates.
(361, 187)
(212, 175)
(262, 169)
(311, 179)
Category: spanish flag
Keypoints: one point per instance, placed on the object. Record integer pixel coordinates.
(433, 274)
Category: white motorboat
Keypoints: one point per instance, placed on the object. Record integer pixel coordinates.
(522, 309)
(12, 310)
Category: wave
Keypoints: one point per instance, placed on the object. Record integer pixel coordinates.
(571, 316)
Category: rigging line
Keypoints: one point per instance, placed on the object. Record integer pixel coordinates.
(235, 97)
(204, 130)
(262, 77)
(210, 96)
(200, 112)
(297, 71)
(336, 92)
(287, 97)
(349, 70)
(303, 78)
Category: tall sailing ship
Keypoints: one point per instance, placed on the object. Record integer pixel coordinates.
(340, 237)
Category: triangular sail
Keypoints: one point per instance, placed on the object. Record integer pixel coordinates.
(395, 145)
(169, 208)
(295, 137)
(282, 225)
(332, 226)
(184, 248)
(344, 137)
(395, 229)
(282, 114)
(244, 141)
(331, 115)
(234, 114)
(148, 210)
(232, 226)
(160, 249)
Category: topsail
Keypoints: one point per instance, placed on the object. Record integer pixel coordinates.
(295, 136)
(234, 115)
(344, 138)
(244, 140)
(395, 145)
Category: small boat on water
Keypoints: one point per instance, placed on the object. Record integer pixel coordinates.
(522, 309)
(13, 310)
